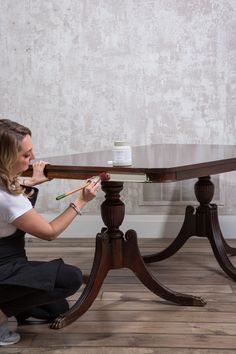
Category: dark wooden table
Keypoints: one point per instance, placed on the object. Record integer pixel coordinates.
(151, 164)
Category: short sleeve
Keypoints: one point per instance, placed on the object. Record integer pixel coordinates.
(13, 206)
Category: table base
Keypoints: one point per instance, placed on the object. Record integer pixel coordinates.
(203, 222)
(114, 250)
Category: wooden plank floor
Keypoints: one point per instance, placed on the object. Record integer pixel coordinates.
(127, 318)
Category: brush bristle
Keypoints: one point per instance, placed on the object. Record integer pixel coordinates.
(104, 176)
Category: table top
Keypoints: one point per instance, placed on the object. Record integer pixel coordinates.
(153, 163)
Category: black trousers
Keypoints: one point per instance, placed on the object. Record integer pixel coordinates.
(17, 299)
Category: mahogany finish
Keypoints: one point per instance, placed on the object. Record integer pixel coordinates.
(160, 163)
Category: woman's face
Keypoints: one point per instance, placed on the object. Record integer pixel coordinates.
(24, 156)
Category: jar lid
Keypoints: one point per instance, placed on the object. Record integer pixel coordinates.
(120, 143)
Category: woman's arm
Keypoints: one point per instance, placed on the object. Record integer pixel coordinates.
(33, 223)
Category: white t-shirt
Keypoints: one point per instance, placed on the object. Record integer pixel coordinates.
(11, 207)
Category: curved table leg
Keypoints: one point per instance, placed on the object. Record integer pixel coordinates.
(230, 250)
(217, 242)
(101, 265)
(134, 261)
(207, 224)
(188, 229)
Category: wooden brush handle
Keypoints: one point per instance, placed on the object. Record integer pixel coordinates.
(102, 177)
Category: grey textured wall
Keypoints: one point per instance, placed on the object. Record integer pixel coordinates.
(83, 73)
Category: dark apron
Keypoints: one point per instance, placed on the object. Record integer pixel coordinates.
(15, 269)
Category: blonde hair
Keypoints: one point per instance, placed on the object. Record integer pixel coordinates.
(11, 136)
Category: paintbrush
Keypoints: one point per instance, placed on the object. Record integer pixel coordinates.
(112, 177)
(102, 177)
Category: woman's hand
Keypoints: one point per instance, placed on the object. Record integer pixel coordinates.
(38, 175)
(89, 192)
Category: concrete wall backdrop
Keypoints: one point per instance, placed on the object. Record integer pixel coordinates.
(83, 73)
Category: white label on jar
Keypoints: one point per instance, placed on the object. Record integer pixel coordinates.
(122, 157)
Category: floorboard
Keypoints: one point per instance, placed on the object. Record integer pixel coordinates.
(127, 318)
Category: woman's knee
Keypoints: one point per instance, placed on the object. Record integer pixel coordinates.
(69, 277)
(76, 278)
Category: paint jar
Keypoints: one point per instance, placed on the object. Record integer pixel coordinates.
(122, 154)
